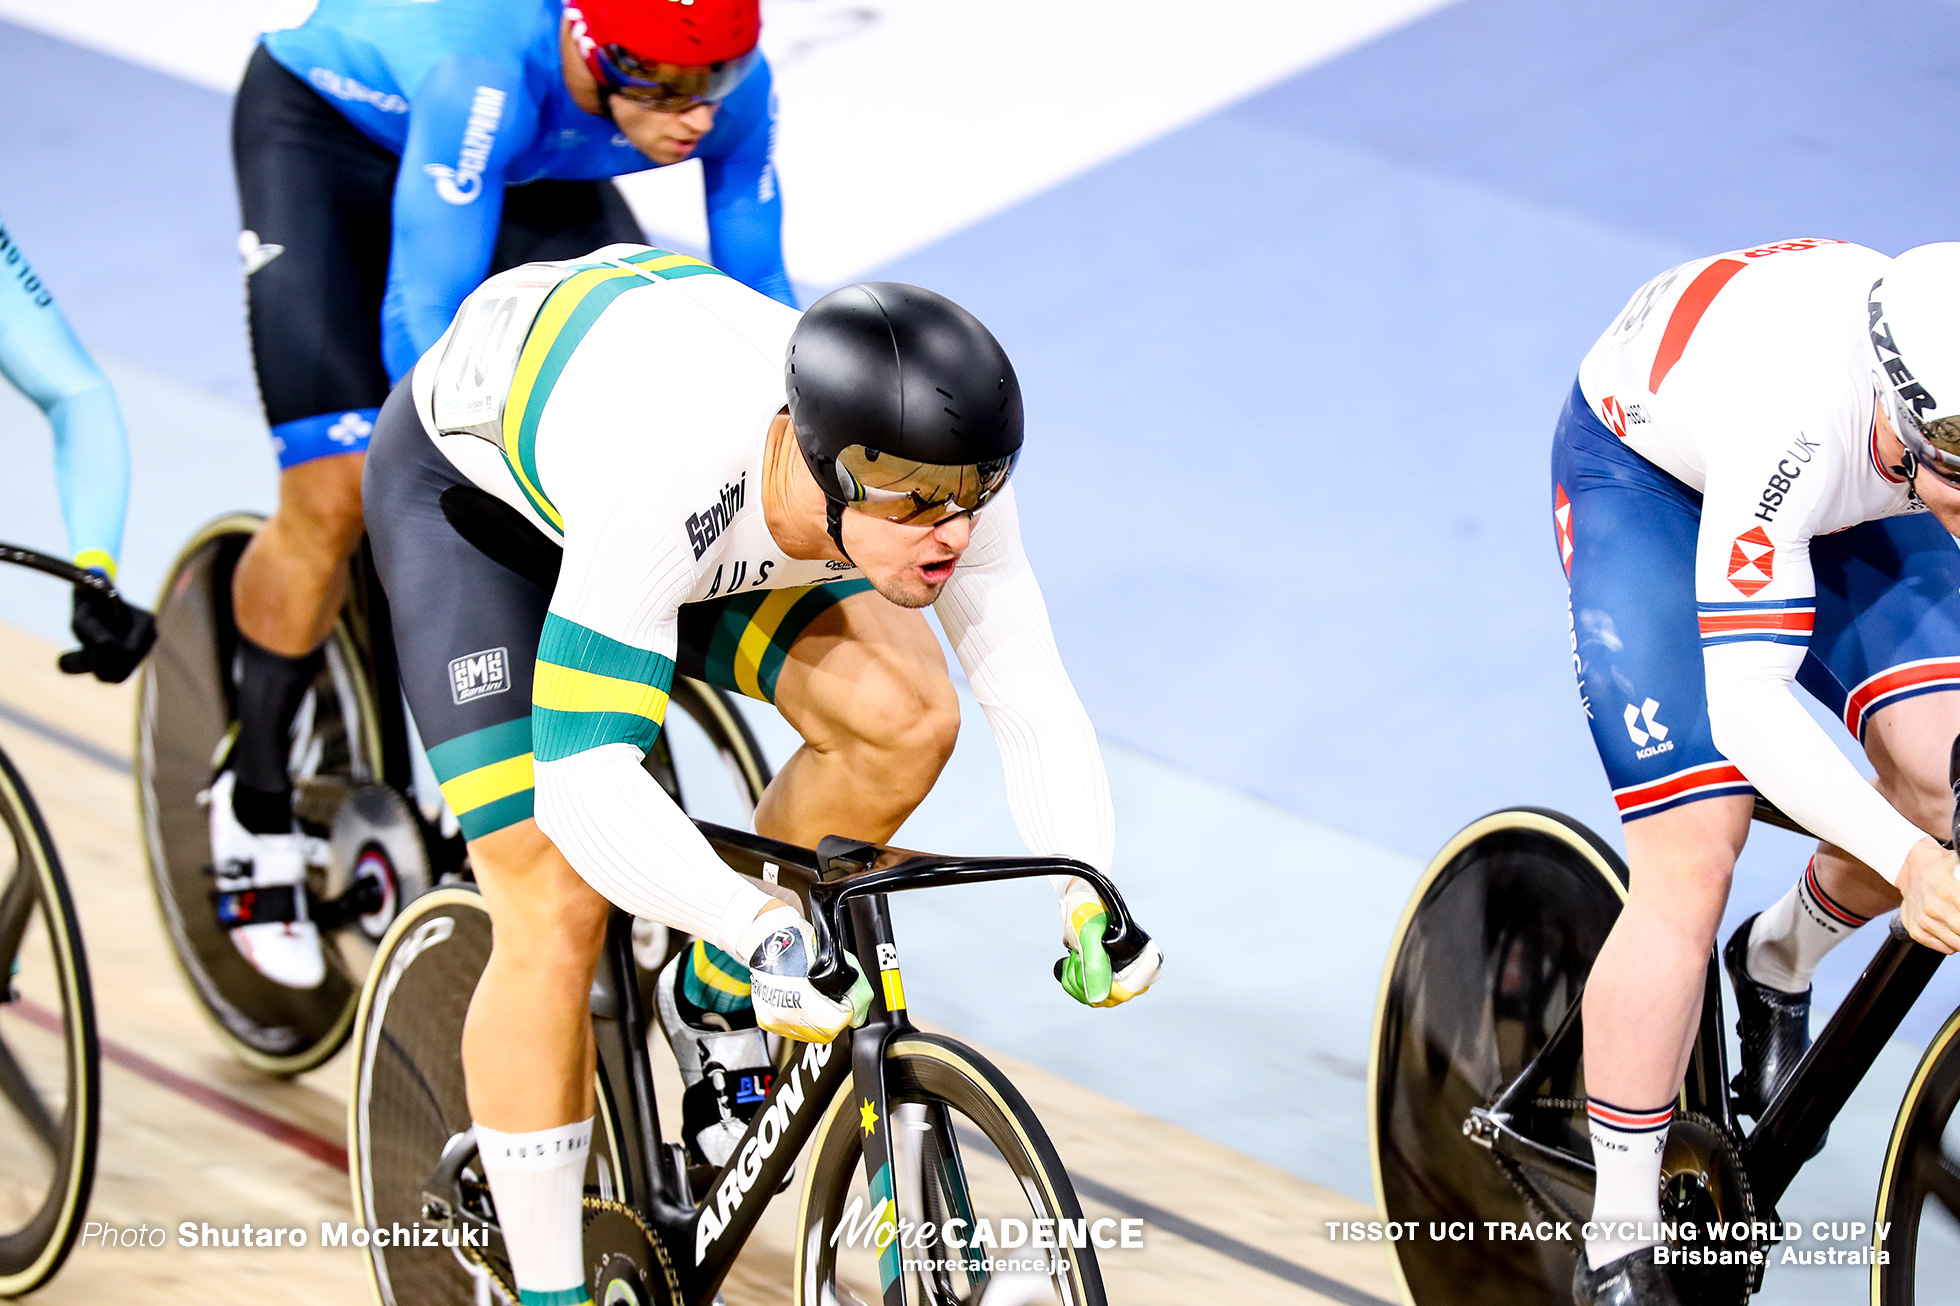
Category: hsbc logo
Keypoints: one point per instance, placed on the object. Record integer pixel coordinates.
(1752, 561)
(1649, 736)
(1562, 526)
(479, 675)
(1620, 416)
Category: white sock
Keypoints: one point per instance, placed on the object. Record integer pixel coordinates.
(1791, 938)
(1627, 1147)
(537, 1180)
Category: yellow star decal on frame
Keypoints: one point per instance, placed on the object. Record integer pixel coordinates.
(868, 1117)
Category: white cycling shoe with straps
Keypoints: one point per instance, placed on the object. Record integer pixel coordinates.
(285, 952)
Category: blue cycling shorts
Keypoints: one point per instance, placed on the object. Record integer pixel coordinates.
(1888, 617)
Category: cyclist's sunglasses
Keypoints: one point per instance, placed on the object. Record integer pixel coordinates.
(671, 88)
(918, 494)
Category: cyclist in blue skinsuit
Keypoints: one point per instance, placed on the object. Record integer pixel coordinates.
(389, 156)
(40, 354)
(473, 98)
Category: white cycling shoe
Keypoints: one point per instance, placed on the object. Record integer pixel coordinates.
(286, 952)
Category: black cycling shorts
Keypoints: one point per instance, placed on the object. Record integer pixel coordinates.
(311, 184)
(467, 618)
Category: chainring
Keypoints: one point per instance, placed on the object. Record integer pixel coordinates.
(1703, 1182)
(629, 1264)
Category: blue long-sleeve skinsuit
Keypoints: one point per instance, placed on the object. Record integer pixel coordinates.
(40, 354)
(470, 94)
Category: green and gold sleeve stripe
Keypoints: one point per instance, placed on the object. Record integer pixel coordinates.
(715, 981)
(671, 266)
(591, 690)
(754, 633)
(486, 776)
(567, 315)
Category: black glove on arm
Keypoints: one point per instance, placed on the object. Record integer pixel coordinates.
(115, 635)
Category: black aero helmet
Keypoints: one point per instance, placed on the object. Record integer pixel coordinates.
(905, 406)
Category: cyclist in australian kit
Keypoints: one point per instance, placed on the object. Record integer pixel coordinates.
(745, 495)
(40, 354)
(1753, 484)
(389, 155)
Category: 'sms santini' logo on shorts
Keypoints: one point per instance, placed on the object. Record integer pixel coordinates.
(706, 526)
(476, 675)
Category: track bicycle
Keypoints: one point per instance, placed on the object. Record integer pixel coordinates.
(50, 1063)
(911, 1129)
(379, 833)
(1476, 1090)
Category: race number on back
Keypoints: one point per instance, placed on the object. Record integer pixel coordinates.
(474, 378)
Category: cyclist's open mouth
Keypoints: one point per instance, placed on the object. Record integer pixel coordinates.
(936, 573)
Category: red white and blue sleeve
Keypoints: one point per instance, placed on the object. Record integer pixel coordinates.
(1756, 596)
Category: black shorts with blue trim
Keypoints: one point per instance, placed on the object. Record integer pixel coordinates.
(467, 626)
(1887, 617)
(317, 198)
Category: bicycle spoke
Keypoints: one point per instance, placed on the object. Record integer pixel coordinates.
(16, 909)
(19, 1092)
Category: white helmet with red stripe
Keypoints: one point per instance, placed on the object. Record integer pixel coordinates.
(1914, 316)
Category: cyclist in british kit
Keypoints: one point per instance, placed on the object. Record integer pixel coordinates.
(1753, 483)
(40, 354)
(757, 498)
(390, 155)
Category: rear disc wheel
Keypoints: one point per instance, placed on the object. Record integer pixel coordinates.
(185, 718)
(1491, 953)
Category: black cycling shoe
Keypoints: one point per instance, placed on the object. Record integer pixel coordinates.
(1632, 1280)
(1774, 1025)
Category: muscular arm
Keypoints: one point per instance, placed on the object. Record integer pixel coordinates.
(745, 203)
(1753, 644)
(470, 118)
(993, 613)
(40, 354)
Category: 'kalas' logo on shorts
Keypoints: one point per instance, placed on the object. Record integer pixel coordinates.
(1752, 561)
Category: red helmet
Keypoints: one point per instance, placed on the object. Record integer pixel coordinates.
(669, 53)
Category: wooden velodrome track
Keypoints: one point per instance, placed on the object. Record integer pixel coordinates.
(191, 1135)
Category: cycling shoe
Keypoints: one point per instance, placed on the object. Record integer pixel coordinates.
(261, 896)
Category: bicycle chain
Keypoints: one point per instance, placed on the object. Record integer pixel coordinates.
(591, 1203)
(1513, 1172)
(1535, 1203)
(667, 1273)
(497, 1280)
